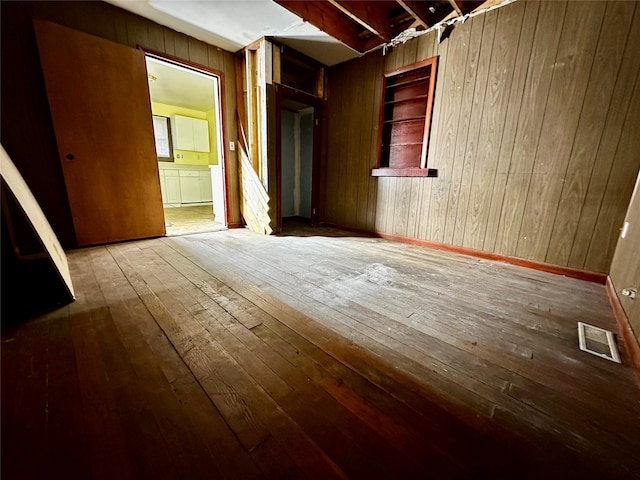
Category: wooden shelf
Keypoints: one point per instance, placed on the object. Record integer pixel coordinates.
(400, 144)
(412, 99)
(405, 116)
(420, 117)
(408, 82)
(404, 172)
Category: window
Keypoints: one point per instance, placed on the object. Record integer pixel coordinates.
(405, 118)
(162, 138)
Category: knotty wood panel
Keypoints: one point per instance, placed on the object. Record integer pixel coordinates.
(27, 131)
(533, 103)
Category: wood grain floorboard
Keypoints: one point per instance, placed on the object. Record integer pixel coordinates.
(358, 432)
(343, 436)
(456, 363)
(313, 354)
(250, 413)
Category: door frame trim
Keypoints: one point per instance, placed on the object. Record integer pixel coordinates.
(209, 71)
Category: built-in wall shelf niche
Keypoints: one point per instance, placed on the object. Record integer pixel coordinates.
(405, 119)
(190, 133)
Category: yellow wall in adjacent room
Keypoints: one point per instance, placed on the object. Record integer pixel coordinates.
(189, 157)
(213, 136)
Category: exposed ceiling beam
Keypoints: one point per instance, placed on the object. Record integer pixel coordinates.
(417, 11)
(371, 15)
(455, 7)
(427, 13)
(327, 18)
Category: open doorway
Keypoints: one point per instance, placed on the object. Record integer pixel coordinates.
(187, 121)
(298, 120)
(297, 161)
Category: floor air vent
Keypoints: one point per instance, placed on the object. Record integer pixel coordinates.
(598, 341)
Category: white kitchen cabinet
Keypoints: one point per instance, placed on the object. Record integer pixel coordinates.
(172, 188)
(163, 186)
(190, 133)
(190, 186)
(206, 192)
(185, 184)
(201, 135)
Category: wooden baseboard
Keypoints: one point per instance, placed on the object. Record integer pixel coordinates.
(630, 340)
(595, 277)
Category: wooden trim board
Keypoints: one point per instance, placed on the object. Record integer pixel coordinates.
(595, 277)
(36, 218)
(630, 340)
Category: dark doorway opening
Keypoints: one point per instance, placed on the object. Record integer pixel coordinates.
(298, 156)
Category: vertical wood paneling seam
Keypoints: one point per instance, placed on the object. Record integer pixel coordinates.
(517, 120)
(501, 14)
(527, 76)
(464, 75)
(634, 91)
(466, 140)
(481, 116)
(564, 176)
(541, 124)
(593, 165)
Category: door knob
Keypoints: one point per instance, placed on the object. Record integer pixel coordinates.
(70, 156)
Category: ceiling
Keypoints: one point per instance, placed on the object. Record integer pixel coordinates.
(174, 85)
(329, 31)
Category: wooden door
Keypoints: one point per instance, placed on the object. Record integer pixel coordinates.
(99, 100)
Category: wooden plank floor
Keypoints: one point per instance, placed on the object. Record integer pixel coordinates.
(313, 354)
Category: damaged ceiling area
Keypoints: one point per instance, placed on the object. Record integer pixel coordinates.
(367, 25)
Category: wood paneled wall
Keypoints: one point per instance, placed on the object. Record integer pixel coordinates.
(27, 131)
(625, 268)
(534, 133)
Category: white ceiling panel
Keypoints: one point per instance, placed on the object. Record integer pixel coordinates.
(234, 24)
